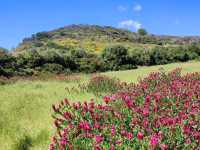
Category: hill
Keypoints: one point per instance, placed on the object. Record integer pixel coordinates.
(95, 38)
(92, 48)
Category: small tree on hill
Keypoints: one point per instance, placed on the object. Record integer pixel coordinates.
(142, 32)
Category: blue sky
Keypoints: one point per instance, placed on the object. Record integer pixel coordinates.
(22, 18)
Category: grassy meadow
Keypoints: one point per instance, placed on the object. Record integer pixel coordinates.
(25, 106)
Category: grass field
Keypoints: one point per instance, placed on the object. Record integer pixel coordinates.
(25, 106)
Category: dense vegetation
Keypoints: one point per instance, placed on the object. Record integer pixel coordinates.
(83, 48)
(160, 112)
(115, 57)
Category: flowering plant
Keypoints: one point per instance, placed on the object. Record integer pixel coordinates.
(162, 112)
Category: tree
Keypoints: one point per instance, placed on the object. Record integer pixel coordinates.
(116, 58)
(142, 32)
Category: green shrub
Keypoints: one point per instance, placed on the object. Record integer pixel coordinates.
(160, 56)
(142, 32)
(115, 56)
(23, 143)
(53, 68)
(100, 84)
(140, 57)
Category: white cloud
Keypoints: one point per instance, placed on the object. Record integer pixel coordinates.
(121, 8)
(137, 7)
(130, 24)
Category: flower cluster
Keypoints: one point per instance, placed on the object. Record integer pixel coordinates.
(162, 112)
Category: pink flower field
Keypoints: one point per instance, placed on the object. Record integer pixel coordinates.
(160, 112)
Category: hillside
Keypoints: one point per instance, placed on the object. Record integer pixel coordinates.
(95, 38)
(92, 48)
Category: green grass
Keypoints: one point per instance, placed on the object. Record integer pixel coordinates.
(133, 75)
(25, 106)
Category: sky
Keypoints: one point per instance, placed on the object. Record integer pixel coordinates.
(22, 18)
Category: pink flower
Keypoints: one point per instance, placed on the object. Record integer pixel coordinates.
(147, 99)
(63, 142)
(154, 141)
(84, 125)
(113, 131)
(51, 147)
(157, 96)
(118, 142)
(123, 132)
(129, 135)
(145, 112)
(140, 135)
(145, 123)
(112, 147)
(113, 97)
(107, 99)
(98, 138)
(67, 115)
(97, 125)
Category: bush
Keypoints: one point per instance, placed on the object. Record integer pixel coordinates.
(23, 143)
(142, 32)
(115, 57)
(160, 56)
(52, 68)
(100, 84)
(7, 65)
(140, 57)
(161, 112)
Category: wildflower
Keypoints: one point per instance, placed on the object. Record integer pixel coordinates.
(112, 147)
(117, 142)
(84, 125)
(145, 112)
(154, 141)
(51, 147)
(96, 125)
(106, 99)
(140, 135)
(123, 132)
(63, 142)
(129, 135)
(145, 123)
(67, 115)
(157, 97)
(98, 138)
(148, 99)
(113, 131)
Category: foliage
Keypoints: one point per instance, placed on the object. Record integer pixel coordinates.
(140, 57)
(53, 68)
(24, 143)
(142, 32)
(101, 84)
(116, 57)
